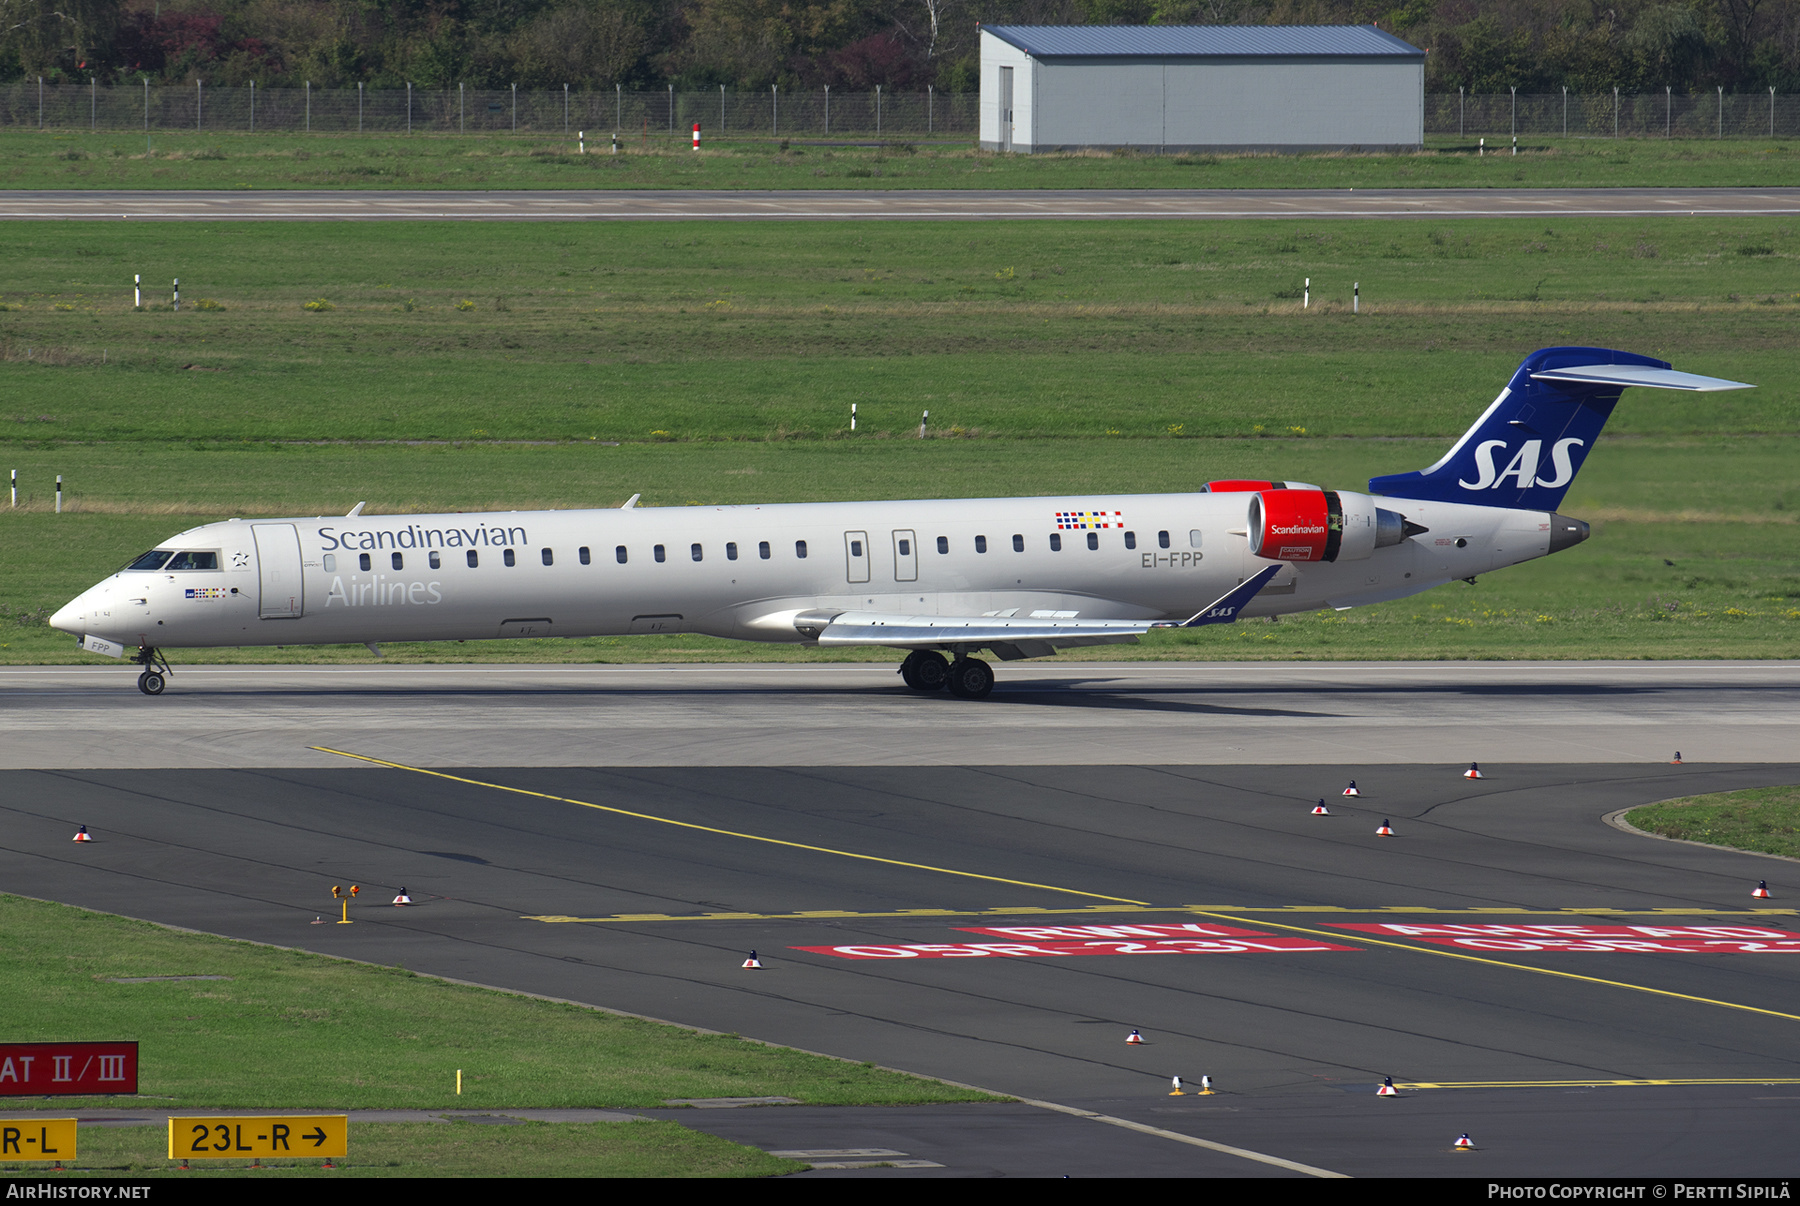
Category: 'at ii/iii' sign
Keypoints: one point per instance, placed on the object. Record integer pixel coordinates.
(67, 1069)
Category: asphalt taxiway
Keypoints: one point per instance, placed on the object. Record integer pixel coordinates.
(886, 205)
(931, 918)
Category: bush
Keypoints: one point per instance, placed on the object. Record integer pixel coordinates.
(318, 306)
(207, 303)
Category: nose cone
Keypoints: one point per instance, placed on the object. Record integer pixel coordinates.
(72, 617)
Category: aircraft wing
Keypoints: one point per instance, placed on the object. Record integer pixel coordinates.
(1011, 637)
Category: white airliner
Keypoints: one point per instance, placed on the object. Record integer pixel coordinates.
(1021, 577)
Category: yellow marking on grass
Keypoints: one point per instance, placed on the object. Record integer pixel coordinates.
(748, 837)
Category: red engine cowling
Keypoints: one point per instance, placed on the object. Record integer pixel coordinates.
(1240, 487)
(1295, 525)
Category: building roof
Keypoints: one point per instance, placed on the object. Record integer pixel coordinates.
(1203, 41)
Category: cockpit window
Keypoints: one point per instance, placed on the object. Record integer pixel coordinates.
(150, 561)
(194, 561)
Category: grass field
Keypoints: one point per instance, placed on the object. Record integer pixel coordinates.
(79, 159)
(515, 366)
(766, 331)
(286, 1029)
(1765, 819)
(1694, 552)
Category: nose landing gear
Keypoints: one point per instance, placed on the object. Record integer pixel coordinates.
(156, 670)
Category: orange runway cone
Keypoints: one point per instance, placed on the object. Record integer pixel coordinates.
(1351, 790)
(402, 899)
(1319, 810)
(1464, 1143)
(1474, 771)
(81, 835)
(1176, 1091)
(1134, 1037)
(1385, 831)
(753, 963)
(1762, 890)
(1387, 1088)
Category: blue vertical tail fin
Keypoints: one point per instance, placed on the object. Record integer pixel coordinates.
(1526, 449)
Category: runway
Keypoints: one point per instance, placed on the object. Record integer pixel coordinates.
(998, 893)
(643, 890)
(891, 205)
(1041, 714)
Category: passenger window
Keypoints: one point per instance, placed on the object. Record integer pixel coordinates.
(1056, 542)
(657, 553)
(1093, 540)
(1194, 538)
(474, 559)
(800, 549)
(1131, 540)
(506, 555)
(435, 562)
(981, 544)
(549, 557)
(399, 561)
(943, 544)
(731, 550)
(620, 554)
(695, 550)
(331, 563)
(762, 549)
(362, 559)
(1018, 543)
(906, 548)
(1162, 539)
(582, 553)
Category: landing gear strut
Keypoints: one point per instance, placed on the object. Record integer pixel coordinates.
(925, 670)
(156, 670)
(969, 678)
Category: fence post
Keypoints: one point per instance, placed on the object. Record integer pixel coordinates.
(930, 108)
(565, 108)
(309, 106)
(146, 115)
(1565, 110)
(1515, 110)
(515, 91)
(359, 107)
(828, 108)
(253, 106)
(671, 109)
(721, 108)
(40, 102)
(1615, 112)
(199, 102)
(1771, 110)
(1668, 111)
(1721, 110)
(93, 103)
(775, 109)
(462, 126)
(619, 111)
(409, 106)
(1459, 110)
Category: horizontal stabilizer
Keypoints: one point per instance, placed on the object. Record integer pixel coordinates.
(1628, 374)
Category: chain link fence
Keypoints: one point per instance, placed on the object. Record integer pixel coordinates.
(771, 114)
(1622, 115)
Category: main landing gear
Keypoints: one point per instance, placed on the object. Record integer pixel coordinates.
(965, 678)
(156, 670)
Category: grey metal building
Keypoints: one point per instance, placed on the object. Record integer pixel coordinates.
(1200, 87)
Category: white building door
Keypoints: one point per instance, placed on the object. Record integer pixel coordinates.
(1006, 108)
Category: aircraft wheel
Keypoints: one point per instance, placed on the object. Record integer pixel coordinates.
(924, 670)
(150, 683)
(970, 678)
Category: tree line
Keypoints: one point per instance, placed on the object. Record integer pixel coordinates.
(1586, 46)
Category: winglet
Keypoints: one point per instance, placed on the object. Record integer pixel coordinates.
(356, 510)
(1225, 611)
(631, 502)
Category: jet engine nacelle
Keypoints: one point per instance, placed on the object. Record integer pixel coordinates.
(1322, 525)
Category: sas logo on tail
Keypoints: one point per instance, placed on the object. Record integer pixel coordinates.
(1523, 468)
